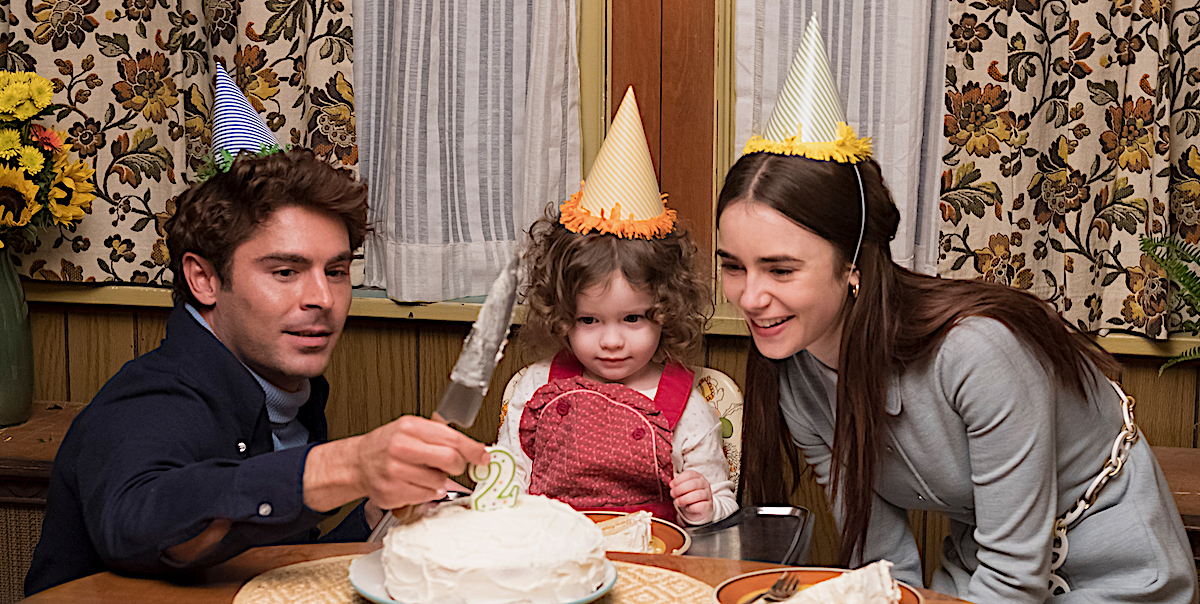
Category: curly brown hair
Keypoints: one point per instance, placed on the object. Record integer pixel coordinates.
(561, 264)
(215, 217)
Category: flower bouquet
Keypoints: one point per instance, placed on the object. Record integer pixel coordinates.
(39, 185)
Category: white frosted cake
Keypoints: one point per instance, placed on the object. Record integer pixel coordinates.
(539, 551)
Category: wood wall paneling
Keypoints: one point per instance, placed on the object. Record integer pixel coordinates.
(666, 49)
(727, 354)
(637, 61)
(687, 118)
(151, 329)
(50, 366)
(372, 376)
(1165, 407)
(99, 342)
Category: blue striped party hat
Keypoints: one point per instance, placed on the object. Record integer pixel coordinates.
(237, 126)
(621, 196)
(808, 119)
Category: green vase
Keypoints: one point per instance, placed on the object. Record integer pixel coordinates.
(16, 347)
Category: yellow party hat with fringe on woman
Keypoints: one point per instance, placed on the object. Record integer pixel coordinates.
(808, 119)
(620, 195)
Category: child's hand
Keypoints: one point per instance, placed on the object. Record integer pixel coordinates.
(693, 496)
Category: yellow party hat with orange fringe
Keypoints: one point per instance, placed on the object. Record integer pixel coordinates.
(808, 119)
(620, 195)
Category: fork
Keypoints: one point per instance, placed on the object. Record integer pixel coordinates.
(783, 588)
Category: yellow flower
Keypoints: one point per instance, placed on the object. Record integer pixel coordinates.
(16, 198)
(71, 193)
(41, 92)
(9, 99)
(31, 160)
(10, 143)
(26, 110)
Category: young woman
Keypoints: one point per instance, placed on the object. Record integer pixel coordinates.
(903, 391)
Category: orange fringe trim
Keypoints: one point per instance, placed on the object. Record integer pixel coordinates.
(579, 220)
(847, 149)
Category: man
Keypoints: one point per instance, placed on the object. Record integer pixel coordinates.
(214, 442)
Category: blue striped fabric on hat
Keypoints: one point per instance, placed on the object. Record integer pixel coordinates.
(236, 125)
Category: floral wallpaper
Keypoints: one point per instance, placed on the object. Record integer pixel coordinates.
(134, 78)
(1071, 129)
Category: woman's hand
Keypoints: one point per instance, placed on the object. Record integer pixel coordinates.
(693, 497)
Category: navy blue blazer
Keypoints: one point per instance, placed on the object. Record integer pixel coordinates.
(177, 438)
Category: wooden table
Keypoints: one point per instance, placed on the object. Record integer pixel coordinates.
(27, 452)
(26, 455)
(220, 584)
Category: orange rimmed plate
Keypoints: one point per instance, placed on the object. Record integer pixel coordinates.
(665, 537)
(743, 588)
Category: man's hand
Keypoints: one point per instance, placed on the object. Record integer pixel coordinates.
(400, 463)
(693, 496)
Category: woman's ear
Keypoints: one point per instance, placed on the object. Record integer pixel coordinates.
(201, 278)
(855, 277)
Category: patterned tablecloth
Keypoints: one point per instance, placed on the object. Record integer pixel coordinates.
(327, 581)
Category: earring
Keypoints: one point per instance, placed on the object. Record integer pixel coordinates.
(854, 291)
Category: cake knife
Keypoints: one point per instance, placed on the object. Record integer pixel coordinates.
(481, 351)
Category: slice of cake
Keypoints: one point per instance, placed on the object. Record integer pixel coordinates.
(628, 533)
(539, 551)
(871, 584)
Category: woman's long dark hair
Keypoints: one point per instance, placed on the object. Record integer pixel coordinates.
(897, 321)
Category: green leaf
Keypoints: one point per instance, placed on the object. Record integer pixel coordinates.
(1189, 355)
(1103, 94)
(287, 17)
(959, 262)
(1109, 278)
(114, 45)
(1050, 279)
(143, 159)
(141, 224)
(1001, 28)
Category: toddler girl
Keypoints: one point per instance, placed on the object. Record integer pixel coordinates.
(613, 420)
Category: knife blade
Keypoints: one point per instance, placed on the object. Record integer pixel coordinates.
(482, 350)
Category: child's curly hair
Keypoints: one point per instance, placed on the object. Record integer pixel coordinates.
(561, 264)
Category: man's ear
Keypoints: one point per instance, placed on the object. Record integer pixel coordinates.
(201, 278)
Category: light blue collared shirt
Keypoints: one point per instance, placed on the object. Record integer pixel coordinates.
(282, 406)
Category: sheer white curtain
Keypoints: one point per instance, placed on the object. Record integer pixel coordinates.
(468, 125)
(888, 63)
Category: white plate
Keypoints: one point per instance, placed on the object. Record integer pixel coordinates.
(366, 574)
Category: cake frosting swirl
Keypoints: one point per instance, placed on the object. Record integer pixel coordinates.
(539, 551)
